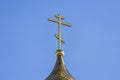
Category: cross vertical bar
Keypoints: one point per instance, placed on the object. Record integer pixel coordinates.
(59, 33)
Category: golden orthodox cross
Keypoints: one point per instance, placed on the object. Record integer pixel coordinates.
(60, 23)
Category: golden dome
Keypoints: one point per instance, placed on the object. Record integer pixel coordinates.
(60, 71)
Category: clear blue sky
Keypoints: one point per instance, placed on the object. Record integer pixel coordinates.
(28, 45)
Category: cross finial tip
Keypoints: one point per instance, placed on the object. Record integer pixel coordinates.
(59, 16)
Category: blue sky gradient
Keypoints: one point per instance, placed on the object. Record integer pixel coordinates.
(28, 45)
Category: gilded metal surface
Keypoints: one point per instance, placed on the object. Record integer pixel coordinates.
(60, 71)
(59, 53)
(60, 23)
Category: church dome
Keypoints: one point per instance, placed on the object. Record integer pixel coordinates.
(60, 71)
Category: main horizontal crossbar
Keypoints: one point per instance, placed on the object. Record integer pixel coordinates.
(63, 23)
